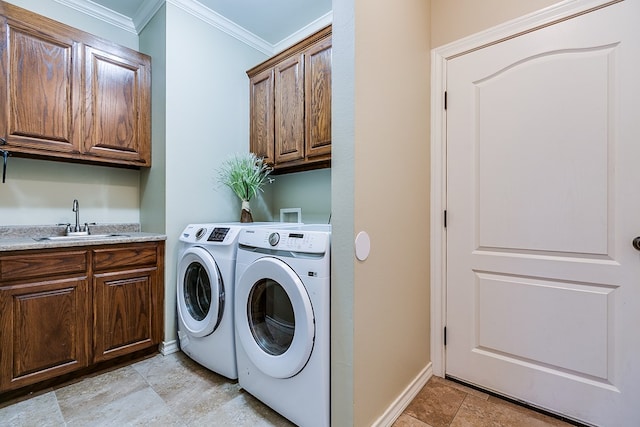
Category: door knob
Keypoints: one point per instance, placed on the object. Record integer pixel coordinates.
(636, 243)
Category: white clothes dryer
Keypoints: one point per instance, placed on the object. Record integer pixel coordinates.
(205, 282)
(282, 313)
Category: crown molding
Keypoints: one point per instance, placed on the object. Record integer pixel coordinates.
(150, 7)
(223, 24)
(145, 13)
(302, 33)
(102, 13)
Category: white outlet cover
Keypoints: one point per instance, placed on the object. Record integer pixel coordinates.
(363, 245)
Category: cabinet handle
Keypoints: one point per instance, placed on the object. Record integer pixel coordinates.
(5, 155)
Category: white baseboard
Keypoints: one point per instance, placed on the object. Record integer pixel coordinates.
(168, 347)
(400, 404)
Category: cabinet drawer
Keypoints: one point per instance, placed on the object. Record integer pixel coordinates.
(13, 267)
(130, 256)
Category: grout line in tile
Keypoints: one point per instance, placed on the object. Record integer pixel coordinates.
(64, 419)
(459, 407)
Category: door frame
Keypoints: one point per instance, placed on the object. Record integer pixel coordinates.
(439, 57)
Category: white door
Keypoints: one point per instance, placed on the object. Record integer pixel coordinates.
(543, 202)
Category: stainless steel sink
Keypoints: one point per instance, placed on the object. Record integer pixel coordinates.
(81, 237)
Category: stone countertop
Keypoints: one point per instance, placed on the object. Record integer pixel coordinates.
(16, 238)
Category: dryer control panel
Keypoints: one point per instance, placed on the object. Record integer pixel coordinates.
(282, 239)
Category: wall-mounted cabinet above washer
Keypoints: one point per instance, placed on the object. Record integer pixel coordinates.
(68, 95)
(291, 106)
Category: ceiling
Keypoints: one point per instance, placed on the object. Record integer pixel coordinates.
(270, 20)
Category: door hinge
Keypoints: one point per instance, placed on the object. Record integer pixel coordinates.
(445, 99)
(445, 218)
(445, 335)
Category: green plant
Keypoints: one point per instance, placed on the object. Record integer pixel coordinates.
(244, 174)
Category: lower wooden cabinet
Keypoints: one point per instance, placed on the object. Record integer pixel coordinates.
(122, 310)
(62, 310)
(45, 327)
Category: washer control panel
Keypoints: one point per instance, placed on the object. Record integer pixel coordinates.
(210, 234)
(218, 234)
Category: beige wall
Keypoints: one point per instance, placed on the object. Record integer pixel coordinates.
(381, 162)
(380, 184)
(454, 19)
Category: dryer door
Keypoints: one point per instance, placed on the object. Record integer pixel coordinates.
(200, 292)
(274, 318)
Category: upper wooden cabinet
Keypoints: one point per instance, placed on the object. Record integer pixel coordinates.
(117, 113)
(290, 108)
(66, 94)
(262, 115)
(41, 72)
(318, 99)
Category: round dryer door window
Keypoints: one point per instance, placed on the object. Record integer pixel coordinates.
(271, 318)
(274, 318)
(200, 292)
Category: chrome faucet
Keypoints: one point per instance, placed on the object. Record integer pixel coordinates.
(77, 229)
(76, 209)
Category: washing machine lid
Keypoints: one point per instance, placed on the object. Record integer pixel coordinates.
(279, 341)
(200, 292)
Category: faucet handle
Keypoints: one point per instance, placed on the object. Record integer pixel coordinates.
(86, 226)
(68, 227)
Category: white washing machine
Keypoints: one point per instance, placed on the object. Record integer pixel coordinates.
(205, 281)
(282, 312)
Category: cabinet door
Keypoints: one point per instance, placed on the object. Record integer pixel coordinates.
(43, 330)
(124, 312)
(318, 100)
(261, 106)
(289, 110)
(117, 105)
(39, 95)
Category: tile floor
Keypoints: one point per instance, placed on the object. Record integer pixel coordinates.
(158, 391)
(175, 391)
(444, 403)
